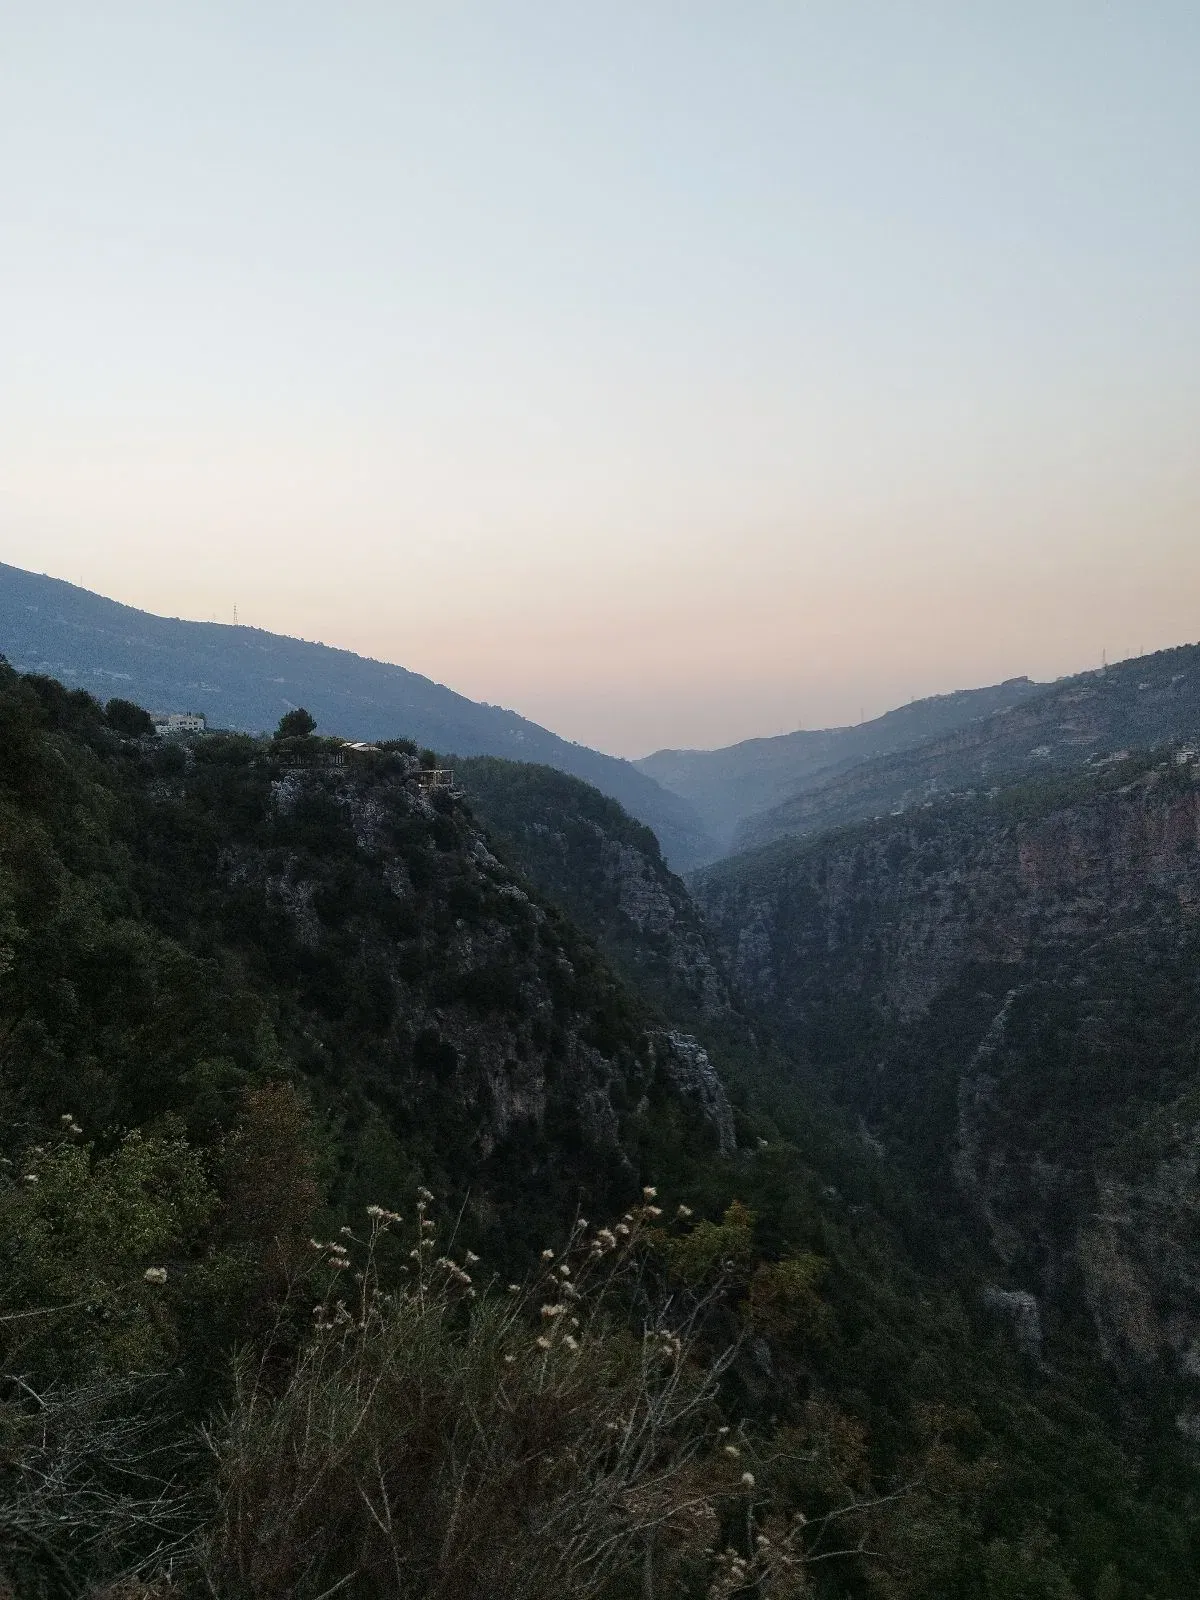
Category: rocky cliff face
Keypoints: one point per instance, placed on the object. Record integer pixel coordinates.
(607, 871)
(1007, 990)
(417, 966)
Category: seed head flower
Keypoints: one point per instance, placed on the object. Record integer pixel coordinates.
(155, 1275)
(547, 1255)
(748, 1479)
(733, 1451)
(542, 1342)
(649, 1192)
(549, 1312)
(471, 1258)
(683, 1212)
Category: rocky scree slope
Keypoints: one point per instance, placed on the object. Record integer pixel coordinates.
(245, 679)
(1006, 992)
(1086, 719)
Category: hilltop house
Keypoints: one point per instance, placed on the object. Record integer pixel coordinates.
(178, 722)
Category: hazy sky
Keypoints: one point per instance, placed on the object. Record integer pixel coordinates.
(669, 372)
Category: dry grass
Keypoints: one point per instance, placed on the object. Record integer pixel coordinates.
(441, 1443)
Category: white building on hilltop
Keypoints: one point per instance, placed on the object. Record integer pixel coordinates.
(179, 722)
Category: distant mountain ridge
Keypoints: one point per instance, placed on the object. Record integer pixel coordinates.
(1132, 705)
(245, 678)
(731, 785)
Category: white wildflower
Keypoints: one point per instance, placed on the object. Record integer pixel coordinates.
(649, 1192)
(155, 1275)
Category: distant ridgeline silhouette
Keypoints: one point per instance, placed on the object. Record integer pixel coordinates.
(246, 678)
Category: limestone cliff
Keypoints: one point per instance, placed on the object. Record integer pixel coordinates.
(1007, 990)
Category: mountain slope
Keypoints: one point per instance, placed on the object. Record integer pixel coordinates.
(607, 872)
(178, 923)
(276, 986)
(1007, 991)
(733, 783)
(244, 678)
(1131, 705)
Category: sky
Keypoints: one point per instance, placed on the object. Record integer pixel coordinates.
(671, 373)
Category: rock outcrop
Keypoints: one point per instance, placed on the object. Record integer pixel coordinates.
(1007, 989)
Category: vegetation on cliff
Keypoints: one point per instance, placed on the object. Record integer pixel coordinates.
(257, 999)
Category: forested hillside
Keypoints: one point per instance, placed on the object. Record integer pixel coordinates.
(246, 678)
(364, 1231)
(1132, 705)
(729, 787)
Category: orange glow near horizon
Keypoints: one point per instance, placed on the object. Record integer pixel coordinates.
(672, 376)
